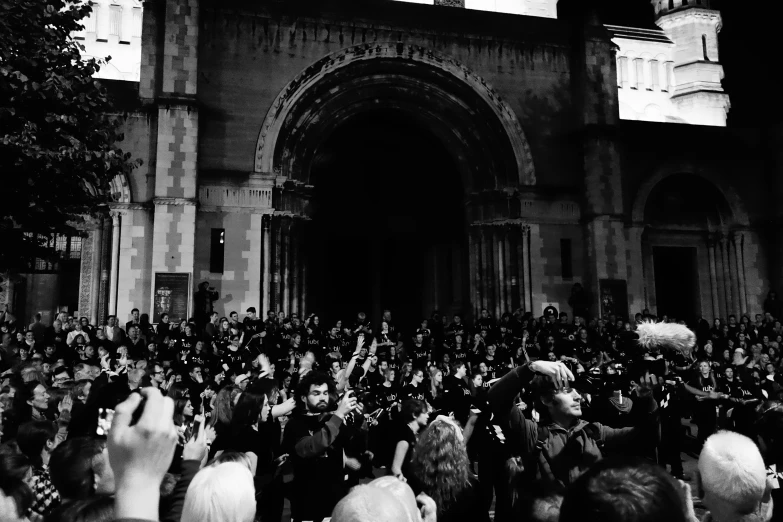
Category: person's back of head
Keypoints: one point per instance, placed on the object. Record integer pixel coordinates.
(369, 503)
(33, 437)
(14, 468)
(72, 467)
(732, 476)
(221, 493)
(627, 490)
(98, 508)
(541, 502)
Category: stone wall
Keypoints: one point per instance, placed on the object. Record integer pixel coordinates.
(248, 58)
(134, 285)
(239, 285)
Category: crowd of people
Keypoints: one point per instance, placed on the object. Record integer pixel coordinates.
(529, 418)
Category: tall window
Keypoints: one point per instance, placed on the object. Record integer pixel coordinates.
(66, 249)
(217, 250)
(671, 4)
(704, 46)
(566, 259)
(639, 73)
(115, 20)
(137, 21)
(92, 21)
(654, 74)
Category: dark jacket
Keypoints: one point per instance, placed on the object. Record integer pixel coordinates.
(563, 454)
(315, 446)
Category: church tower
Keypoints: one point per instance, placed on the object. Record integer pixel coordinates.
(693, 25)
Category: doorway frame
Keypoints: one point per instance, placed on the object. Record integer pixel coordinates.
(683, 239)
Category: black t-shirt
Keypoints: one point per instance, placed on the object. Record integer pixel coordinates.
(459, 353)
(494, 367)
(457, 397)
(409, 391)
(387, 395)
(419, 355)
(403, 433)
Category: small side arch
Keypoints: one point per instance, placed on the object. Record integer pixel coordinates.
(739, 213)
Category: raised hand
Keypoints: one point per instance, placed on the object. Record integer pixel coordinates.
(140, 455)
(66, 404)
(347, 404)
(556, 370)
(196, 448)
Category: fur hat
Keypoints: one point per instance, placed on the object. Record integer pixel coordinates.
(665, 335)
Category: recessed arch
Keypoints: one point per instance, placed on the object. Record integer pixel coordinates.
(465, 110)
(739, 213)
(120, 189)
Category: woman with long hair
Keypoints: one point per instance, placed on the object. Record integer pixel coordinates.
(244, 434)
(394, 359)
(704, 387)
(183, 417)
(406, 370)
(434, 394)
(441, 469)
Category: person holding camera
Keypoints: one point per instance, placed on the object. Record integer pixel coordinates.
(313, 440)
(561, 446)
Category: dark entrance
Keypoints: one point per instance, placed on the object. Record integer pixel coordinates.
(388, 223)
(676, 282)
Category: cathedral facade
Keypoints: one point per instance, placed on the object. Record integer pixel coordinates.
(336, 157)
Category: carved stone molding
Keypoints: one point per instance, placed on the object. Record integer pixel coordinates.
(173, 201)
(129, 206)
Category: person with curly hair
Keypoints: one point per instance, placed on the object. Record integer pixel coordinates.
(441, 470)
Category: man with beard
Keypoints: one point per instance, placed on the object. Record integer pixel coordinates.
(312, 439)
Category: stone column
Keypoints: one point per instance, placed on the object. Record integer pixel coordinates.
(95, 277)
(277, 304)
(266, 244)
(486, 282)
(295, 305)
(473, 274)
(636, 301)
(106, 259)
(713, 278)
(510, 277)
(304, 235)
(724, 257)
(742, 297)
(285, 266)
(500, 256)
(115, 261)
(527, 288)
(86, 263)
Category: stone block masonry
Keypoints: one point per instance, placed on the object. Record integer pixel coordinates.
(239, 285)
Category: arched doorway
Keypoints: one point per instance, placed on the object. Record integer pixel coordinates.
(693, 261)
(392, 146)
(388, 222)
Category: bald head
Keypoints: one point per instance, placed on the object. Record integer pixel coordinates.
(369, 504)
(732, 475)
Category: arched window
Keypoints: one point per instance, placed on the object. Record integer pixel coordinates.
(704, 46)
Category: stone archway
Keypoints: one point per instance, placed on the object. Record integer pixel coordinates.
(692, 230)
(433, 92)
(298, 109)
